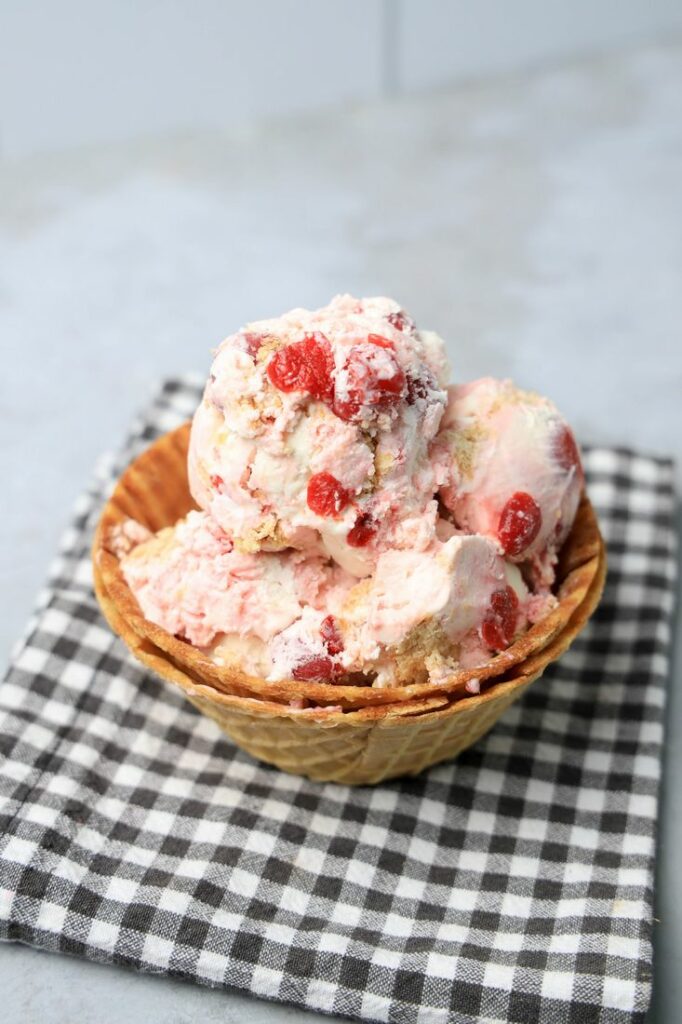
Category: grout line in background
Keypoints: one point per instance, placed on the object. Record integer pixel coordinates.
(391, 37)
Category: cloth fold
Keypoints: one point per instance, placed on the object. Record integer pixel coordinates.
(515, 884)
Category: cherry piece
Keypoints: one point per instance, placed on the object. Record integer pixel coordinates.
(361, 533)
(318, 669)
(348, 408)
(366, 388)
(252, 342)
(388, 390)
(499, 624)
(305, 365)
(520, 523)
(419, 387)
(402, 322)
(217, 482)
(326, 496)
(565, 450)
(331, 636)
(378, 339)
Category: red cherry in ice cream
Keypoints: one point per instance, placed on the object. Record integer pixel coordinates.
(378, 339)
(316, 668)
(499, 624)
(286, 369)
(331, 636)
(419, 387)
(519, 525)
(402, 322)
(397, 320)
(365, 387)
(326, 495)
(305, 365)
(566, 450)
(252, 342)
(348, 408)
(387, 391)
(363, 530)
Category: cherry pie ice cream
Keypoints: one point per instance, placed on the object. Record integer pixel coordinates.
(357, 519)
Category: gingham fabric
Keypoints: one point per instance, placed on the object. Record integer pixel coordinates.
(512, 885)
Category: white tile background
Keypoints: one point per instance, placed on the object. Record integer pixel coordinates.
(78, 72)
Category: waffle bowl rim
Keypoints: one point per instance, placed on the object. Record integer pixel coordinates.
(366, 746)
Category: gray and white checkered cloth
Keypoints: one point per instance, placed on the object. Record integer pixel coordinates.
(514, 884)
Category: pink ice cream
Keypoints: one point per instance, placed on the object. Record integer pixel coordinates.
(288, 614)
(356, 520)
(515, 471)
(192, 580)
(316, 432)
(457, 592)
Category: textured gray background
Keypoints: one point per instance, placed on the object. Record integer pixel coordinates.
(533, 220)
(76, 72)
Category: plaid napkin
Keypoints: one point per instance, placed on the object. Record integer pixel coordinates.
(514, 884)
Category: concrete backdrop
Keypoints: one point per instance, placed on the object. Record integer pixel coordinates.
(79, 72)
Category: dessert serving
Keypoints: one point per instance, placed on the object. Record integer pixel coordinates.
(351, 565)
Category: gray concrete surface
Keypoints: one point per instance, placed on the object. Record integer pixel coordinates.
(534, 221)
(113, 71)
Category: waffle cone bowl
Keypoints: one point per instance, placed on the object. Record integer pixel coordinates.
(352, 734)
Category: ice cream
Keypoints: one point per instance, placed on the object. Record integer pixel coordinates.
(412, 617)
(357, 521)
(315, 432)
(515, 471)
(293, 615)
(192, 580)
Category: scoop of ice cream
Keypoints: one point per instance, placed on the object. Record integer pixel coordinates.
(420, 615)
(358, 522)
(191, 580)
(420, 606)
(284, 615)
(515, 470)
(316, 432)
